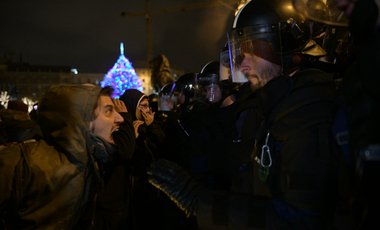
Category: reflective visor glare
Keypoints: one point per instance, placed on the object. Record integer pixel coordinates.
(167, 102)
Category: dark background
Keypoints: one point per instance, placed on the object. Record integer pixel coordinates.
(86, 34)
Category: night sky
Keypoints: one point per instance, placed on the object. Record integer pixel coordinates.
(86, 34)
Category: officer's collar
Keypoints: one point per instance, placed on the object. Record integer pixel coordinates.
(272, 93)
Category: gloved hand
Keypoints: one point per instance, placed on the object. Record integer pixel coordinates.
(176, 183)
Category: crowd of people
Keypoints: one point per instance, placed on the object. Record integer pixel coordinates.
(283, 132)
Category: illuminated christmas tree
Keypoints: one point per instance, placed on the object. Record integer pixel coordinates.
(122, 76)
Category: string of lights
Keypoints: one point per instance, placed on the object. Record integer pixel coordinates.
(122, 76)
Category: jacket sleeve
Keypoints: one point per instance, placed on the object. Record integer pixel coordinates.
(125, 138)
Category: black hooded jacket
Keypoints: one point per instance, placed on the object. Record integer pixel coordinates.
(113, 209)
(147, 143)
(51, 183)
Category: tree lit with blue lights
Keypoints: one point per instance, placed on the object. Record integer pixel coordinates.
(122, 76)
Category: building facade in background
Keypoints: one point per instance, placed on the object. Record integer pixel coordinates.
(24, 82)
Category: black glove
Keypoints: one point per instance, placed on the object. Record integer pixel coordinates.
(176, 183)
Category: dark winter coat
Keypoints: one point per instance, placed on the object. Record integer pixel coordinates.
(51, 183)
(187, 139)
(13, 123)
(298, 113)
(146, 151)
(223, 150)
(113, 209)
(303, 176)
(248, 123)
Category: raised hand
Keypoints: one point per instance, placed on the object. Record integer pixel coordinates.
(148, 116)
(136, 125)
(119, 106)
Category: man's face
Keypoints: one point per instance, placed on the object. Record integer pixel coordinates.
(107, 120)
(214, 94)
(258, 70)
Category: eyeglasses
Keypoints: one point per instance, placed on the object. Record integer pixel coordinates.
(145, 106)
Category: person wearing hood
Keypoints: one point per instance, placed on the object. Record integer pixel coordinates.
(51, 183)
(113, 207)
(148, 140)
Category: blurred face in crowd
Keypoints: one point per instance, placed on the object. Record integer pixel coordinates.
(107, 119)
(181, 98)
(258, 70)
(144, 106)
(213, 93)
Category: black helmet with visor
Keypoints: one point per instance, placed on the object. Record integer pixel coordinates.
(272, 30)
(207, 87)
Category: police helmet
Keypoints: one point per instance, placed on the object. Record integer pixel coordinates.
(225, 70)
(273, 30)
(185, 84)
(208, 87)
(153, 102)
(166, 100)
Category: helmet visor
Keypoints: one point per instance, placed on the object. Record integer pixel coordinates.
(176, 88)
(208, 92)
(253, 41)
(166, 102)
(225, 70)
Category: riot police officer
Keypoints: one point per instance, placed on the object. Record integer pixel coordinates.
(294, 153)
